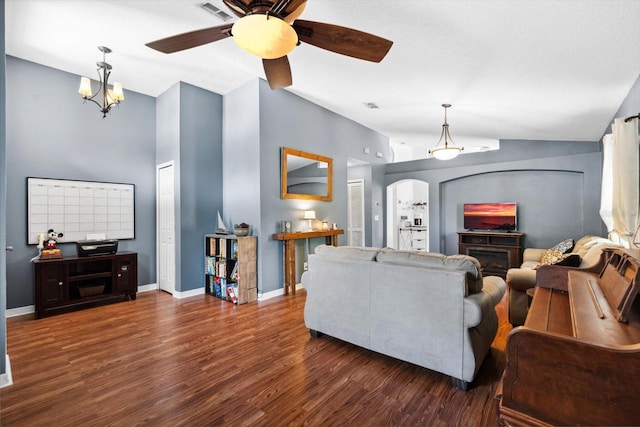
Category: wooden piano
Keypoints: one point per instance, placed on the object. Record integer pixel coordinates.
(576, 360)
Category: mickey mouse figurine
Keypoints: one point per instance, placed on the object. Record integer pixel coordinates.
(52, 238)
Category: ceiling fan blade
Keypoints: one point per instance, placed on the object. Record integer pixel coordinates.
(191, 39)
(237, 7)
(343, 40)
(278, 72)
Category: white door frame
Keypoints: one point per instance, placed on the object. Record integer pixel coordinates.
(171, 288)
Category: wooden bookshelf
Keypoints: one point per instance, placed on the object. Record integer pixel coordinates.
(230, 267)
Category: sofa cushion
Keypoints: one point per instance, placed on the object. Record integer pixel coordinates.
(564, 246)
(529, 265)
(347, 252)
(592, 251)
(556, 258)
(466, 263)
(585, 240)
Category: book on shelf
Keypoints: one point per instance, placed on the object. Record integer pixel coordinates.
(234, 249)
(221, 268)
(223, 248)
(223, 288)
(212, 246)
(211, 285)
(232, 291)
(209, 266)
(217, 287)
(234, 272)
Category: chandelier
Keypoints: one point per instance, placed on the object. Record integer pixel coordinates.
(110, 97)
(448, 151)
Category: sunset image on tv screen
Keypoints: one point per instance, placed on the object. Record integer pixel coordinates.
(490, 216)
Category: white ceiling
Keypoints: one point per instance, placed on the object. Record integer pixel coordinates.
(513, 69)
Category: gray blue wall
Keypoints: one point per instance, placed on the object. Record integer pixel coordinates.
(258, 123)
(3, 202)
(200, 179)
(555, 183)
(189, 133)
(52, 134)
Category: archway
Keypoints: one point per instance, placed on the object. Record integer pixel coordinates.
(408, 215)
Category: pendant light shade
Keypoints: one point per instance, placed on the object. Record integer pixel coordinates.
(447, 151)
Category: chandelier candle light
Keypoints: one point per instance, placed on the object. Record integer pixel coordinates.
(447, 152)
(110, 97)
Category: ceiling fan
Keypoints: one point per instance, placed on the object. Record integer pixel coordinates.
(271, 29)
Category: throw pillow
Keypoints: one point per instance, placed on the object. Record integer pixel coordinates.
(550, 256)
(570, 260)
(564, 246)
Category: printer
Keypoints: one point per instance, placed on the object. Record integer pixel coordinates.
(96, 247)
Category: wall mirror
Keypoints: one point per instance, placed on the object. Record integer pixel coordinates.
(306, 175)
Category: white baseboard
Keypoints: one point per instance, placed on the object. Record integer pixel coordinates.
(276, 293)
(6, 379)
(149, 287)
(19, 311)
(187, 294)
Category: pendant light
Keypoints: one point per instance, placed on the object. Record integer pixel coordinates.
(448, 151)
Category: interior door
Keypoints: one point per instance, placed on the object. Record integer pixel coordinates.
(166, 228)
(355, 224)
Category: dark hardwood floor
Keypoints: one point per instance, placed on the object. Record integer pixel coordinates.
(200, 361)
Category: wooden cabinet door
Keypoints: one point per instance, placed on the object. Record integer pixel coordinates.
(126, 275)
(53, 289)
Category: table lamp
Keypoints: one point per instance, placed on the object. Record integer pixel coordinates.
(310, 216)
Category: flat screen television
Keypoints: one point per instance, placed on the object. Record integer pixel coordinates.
(490, 216)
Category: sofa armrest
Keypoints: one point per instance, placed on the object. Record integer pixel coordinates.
(476, 306)
(521, 279)
(532, 254)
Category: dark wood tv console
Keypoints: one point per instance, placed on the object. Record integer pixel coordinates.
(496, 251)
(73, 283)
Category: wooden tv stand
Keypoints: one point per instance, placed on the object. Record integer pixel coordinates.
(73, 283)
(497, 252)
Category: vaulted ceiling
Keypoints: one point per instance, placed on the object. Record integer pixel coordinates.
(512, 69)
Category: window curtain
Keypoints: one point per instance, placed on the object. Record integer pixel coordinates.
(620, 197)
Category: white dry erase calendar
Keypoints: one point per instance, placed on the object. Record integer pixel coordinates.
(79, 208)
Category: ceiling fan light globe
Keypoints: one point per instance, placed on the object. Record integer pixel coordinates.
(264, 36)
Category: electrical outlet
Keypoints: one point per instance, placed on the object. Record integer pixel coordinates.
(305, 266)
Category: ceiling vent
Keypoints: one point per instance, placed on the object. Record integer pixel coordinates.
(217, 11)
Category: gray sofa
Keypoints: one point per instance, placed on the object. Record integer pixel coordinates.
(588, 250)
(429, 309)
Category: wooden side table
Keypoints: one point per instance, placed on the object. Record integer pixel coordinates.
(289, 241)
